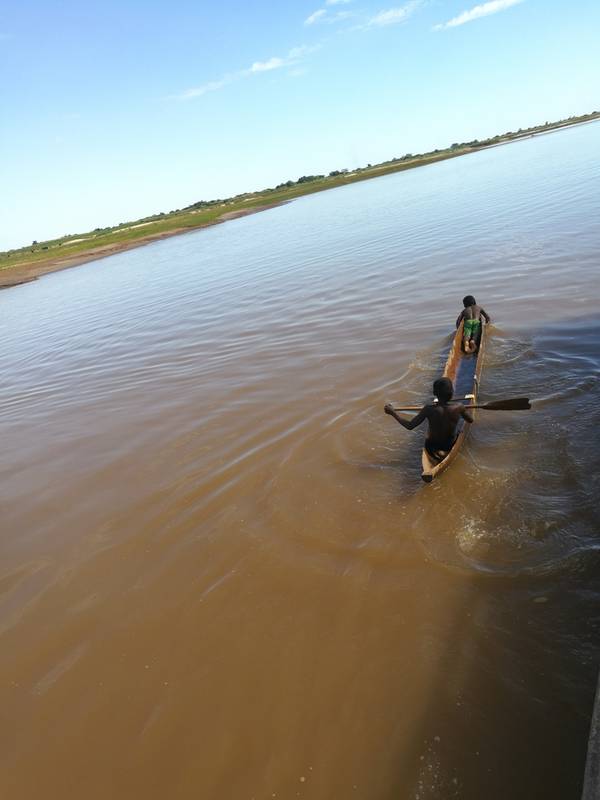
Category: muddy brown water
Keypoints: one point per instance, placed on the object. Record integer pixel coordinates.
(221, 576)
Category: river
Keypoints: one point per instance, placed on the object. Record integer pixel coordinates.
(220, 574)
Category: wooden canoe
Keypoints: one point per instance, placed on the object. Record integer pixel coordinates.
(464, 370)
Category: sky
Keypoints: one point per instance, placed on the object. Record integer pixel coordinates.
(116, 110)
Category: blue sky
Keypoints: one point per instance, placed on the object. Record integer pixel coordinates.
(114, 110)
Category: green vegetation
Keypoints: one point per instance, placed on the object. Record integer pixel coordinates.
(207, 212)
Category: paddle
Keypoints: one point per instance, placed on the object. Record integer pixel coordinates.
(512, 404)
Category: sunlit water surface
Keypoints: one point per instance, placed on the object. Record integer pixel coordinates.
(221, 576)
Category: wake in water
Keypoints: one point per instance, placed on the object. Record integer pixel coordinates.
(527, 500)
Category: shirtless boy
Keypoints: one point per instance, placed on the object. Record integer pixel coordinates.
(472, 314)
(443, 418)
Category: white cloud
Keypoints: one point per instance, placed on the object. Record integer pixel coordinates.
(340, 15)
(393, 15)
(483, 10)
(315, 16)
(325, 15)
(205, 88)
(294, 56)
(266, 66)
(298, 53)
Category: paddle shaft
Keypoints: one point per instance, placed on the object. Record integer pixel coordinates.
(434, 402)
(511, 404)
(418, 408)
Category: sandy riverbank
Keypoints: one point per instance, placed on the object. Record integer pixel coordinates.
(27, 272)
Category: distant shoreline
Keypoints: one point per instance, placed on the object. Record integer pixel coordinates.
(519, 137)
(48, 258)
(27, 272)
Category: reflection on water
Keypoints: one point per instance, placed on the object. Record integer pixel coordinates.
(221, 574)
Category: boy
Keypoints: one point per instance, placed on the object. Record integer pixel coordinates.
(472, 314)
(442, 416)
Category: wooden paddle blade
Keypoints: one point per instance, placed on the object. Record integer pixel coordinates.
(513, 404)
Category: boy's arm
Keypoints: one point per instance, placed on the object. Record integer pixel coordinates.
(466, 415)
(485, 315)
(409, 424)
(460, 316)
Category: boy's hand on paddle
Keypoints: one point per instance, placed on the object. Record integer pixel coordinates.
(388, 408)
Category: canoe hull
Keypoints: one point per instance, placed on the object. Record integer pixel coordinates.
(464, 370)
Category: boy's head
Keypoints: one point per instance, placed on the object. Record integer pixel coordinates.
(469, 300)
(443, 389)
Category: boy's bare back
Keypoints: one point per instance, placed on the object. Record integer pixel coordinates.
(443, 419)
(473, 312)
